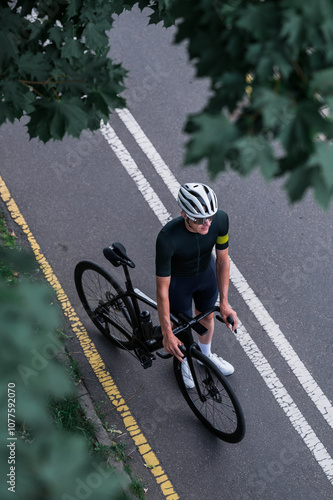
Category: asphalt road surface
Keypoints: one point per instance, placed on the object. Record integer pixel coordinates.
(79, 196)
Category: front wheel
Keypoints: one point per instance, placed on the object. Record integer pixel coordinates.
(106, 303)
(211, 397)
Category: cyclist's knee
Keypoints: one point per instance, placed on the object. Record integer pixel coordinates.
(208, 320)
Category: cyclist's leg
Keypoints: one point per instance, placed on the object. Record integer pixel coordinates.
(180, 299)
(209, 289)
(180, 295)
(209, 323)
(205, 297)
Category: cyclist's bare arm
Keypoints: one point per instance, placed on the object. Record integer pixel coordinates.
(170, 342)
(222, 273)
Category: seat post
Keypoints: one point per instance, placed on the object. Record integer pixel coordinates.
(130, 289)
(128, 281)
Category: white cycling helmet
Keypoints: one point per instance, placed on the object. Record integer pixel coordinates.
(197, 200)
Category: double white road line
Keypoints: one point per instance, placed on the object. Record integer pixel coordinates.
(274, 384)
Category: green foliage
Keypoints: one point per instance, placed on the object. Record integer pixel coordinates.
(269, 63)
(272, 63)
(7, 273)
(54, 65)
(138, 489)
(45, 463)
(68, 414)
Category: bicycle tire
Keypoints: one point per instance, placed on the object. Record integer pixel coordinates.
(221, 411)
(97, 289)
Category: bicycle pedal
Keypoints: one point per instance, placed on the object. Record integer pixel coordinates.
(147, 361)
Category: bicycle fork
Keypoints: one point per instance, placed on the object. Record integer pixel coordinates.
(187, 353)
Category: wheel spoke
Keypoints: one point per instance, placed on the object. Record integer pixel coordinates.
(105, 303)
(218, 407)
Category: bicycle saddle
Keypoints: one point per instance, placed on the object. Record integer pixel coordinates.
(116, 254)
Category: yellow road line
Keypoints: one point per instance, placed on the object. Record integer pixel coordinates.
(92, 354)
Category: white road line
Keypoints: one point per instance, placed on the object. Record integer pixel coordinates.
(255, 305)
(279, 340)
(133, 171)
(285, 401)
(274, 384)
(160, 166)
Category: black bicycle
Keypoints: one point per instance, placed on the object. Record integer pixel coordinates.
(117, 315)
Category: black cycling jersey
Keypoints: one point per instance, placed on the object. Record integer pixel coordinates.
(179, 252)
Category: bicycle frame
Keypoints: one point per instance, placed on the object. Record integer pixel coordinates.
(144, 348)
(203, 385)
(137, 295)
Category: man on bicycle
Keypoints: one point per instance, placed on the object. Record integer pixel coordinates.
(186, 270)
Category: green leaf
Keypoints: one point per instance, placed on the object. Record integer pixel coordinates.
(95, 36)
(36, 30)
(11, 28)
(256, 152)
(72, 49)
(297, 136)
(9, 44)
(298, 182)
(266, 58)
(52, 120)
(73, 8)
(212, 138)
(323, 158)
(97, 100)
(68, 117)
(276, 109)
(261, 20)
(293, 31)
(18, 95)
(268, 164)
(322, 192)
(322, 81)
(9, 112)
(56, 35)
(33, 67)
(327, 29)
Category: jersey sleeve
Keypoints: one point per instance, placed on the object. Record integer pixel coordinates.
(164, 252)
(222, 241)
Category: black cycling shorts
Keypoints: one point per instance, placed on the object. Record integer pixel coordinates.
(202, 289)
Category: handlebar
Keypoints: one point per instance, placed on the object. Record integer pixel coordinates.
(229, 318)
(194, 323)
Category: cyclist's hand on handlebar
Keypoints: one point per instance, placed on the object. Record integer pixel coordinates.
(226, 311)
(171, 344)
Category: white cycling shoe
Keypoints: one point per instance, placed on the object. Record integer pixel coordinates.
(187, 376)
(224, 366)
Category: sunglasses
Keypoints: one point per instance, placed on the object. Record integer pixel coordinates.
(201, 220)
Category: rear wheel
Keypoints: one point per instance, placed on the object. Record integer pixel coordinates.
(214, 401)
(106, 303)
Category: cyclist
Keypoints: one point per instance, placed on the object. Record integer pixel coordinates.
(186, 271)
